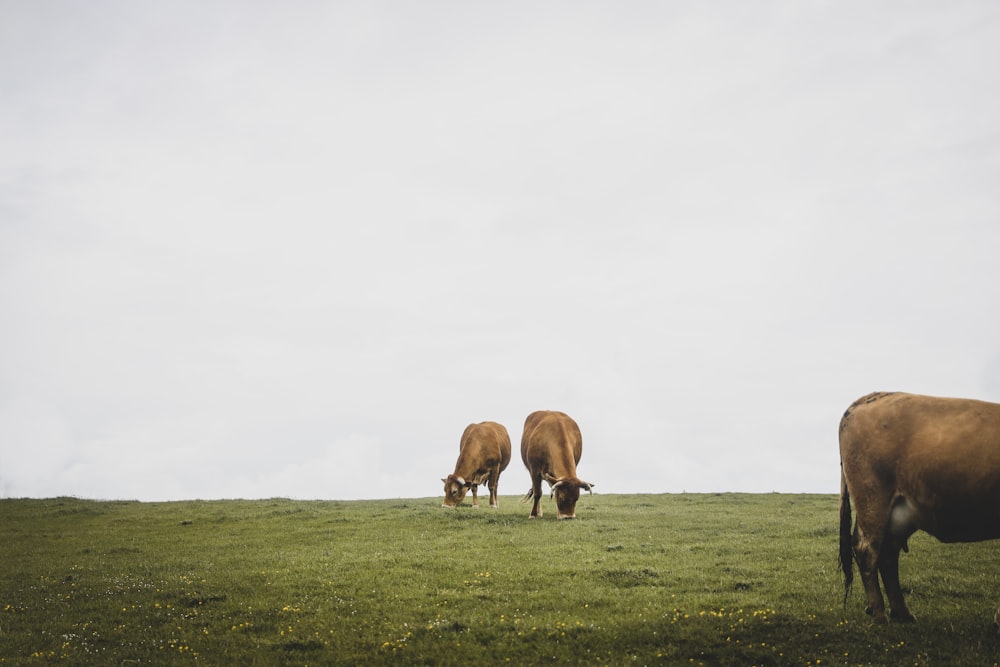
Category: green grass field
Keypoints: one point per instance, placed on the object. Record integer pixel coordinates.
(726, 579)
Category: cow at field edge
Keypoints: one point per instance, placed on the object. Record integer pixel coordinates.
(483, 453)
(912, 463)
(551, 446)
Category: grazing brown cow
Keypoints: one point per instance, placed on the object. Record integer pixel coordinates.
(550, 448)
(914, 463)
(483, 453)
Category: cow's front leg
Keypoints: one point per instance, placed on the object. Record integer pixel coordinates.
(888, 567)
(475, 495)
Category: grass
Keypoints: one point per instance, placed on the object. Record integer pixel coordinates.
(726, 579)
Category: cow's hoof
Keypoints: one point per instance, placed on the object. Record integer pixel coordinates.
(902, 617)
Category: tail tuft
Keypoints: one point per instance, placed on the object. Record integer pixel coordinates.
(846, 539)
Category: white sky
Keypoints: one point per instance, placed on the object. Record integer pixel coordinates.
(293, 249)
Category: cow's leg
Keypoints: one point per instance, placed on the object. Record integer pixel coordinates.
(888, 567)
(873, 506)
(493, 482)
(867, 554)
(536, 493)
(475, 495)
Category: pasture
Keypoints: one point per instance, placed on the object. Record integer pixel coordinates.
(726, 579)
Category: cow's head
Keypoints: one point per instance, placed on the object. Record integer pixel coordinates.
(566, 492)
(455, 489)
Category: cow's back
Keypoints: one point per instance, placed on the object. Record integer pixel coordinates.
(900, 435)
(545, 429)
(486, 444)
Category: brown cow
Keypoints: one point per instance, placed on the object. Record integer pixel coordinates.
(483, 453)
(914, 463)
(550, 448)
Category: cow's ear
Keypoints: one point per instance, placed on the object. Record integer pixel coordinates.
(586, 486)
(444, 479)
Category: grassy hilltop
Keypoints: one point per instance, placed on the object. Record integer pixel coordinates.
(727, 579)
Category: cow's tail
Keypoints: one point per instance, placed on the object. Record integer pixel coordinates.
(528, 496)
(846, 541)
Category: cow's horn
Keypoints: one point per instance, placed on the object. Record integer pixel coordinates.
(552, 491)
(460, 481)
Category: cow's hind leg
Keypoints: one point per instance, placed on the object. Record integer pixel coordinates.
(870, 537)
(492, 484)
(536, 492)
(888, 567)
(867, 555)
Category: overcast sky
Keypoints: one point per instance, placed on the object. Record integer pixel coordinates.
(256, 249)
